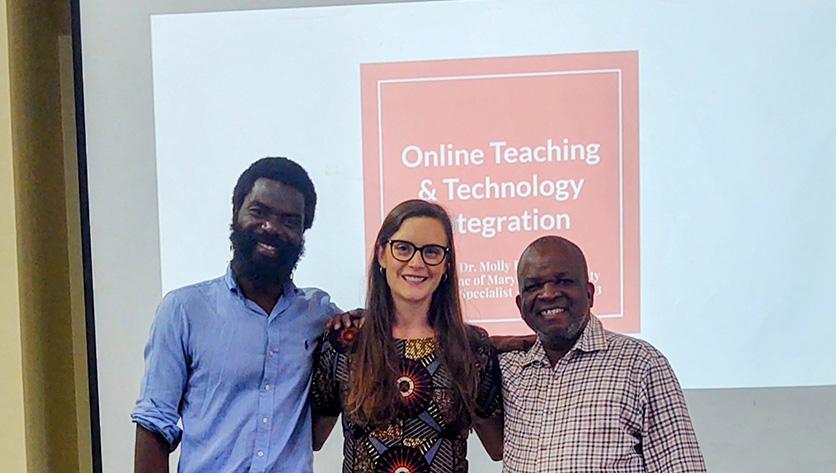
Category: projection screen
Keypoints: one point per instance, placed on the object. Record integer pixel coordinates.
(687, 146)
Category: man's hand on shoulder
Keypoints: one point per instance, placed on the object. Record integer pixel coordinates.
(506, 343)
(352, 318)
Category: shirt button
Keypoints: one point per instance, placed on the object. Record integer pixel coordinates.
(264, 420)
(266, 387)
(260, 453)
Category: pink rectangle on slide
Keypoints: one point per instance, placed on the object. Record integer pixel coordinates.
(514, 148)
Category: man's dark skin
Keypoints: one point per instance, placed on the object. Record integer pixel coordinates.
(275, 210)
(270, 211)
(555, 293)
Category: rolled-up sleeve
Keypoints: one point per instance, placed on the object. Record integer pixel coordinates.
(166, 373)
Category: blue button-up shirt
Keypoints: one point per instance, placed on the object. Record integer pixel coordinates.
(237, 377)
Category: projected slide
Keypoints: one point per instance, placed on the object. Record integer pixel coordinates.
(514, 148)
(653, 154)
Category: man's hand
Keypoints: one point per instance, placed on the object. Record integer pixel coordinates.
(354, 317)
(506, 343)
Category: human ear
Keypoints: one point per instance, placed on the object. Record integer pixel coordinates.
(590, 293)
(380, 257)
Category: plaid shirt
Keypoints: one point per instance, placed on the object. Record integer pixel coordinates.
(612, 403)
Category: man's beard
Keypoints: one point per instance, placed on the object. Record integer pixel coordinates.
(566, 338)
(259, 268)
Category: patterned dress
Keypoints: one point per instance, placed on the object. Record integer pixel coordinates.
(424, 438)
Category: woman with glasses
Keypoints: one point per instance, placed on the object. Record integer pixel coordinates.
(414, 380)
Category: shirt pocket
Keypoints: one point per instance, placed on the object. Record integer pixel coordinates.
(298, 355)
(595, 419)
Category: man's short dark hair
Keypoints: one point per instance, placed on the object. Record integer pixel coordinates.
(278, 169)
(555, 240)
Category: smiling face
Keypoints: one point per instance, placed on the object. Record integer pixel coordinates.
(555, 294)
(414, 281)
(267, 236)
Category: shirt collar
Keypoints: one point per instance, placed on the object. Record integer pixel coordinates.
(288, 290)
(592, 339)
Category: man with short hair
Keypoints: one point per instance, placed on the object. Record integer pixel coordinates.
(585, 399)
(231, 357)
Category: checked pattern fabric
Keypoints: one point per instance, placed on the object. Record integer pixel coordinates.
(612, 403)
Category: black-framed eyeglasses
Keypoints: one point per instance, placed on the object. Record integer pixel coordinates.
(432, 255)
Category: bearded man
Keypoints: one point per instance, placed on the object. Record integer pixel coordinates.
(228, 362)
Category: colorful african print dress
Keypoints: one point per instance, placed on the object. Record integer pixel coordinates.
(424, 438)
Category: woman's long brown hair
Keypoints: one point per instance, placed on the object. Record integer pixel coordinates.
(373, 396)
